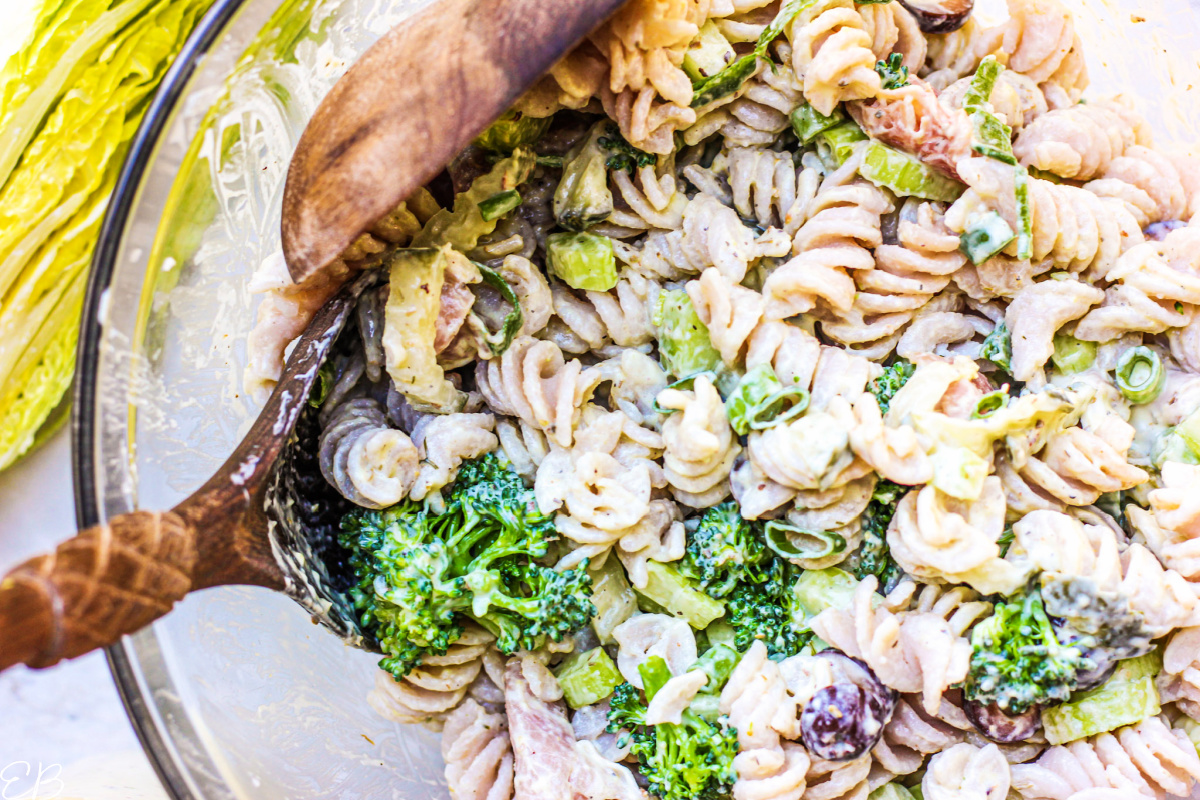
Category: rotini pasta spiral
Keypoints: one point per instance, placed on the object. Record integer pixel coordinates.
(1035, 316)
(771, 774)
(731, 313)
(910, 736)
(1080, 142)
(767, 187)
(712, 236)
(653, 200)
(587, 321)
(435, 687)
(1173, 532)
(368, 462)
(831, 52)
(1077, 466)
(1149, 184)
(842, 225)
(951, 56)
(532, 381)
(894, 30)
(966, 772)
(1015, 97)
(523, 445)
(757, 701)
(478, 754)
(645, 120)
(1149, 759)
(700, 444)
(758, 113)
(445, 441)
(1040, 41)
(912, 652)
(644, 43)
(905, 277)
(1179, 682)
(839, 780)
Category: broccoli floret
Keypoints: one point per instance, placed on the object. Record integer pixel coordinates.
(420, 573)
(874, 557)
(893, 74)
(1087, 616)
(689, 761)
(886, 385)
(997, 348)
(1017, 661)
(724, 550)
(768, 611)
(624, 155)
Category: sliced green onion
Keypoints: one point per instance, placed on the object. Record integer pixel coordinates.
(1024, 215)
(499, 204)
(655, 674)
(990, 403)
(499, 340)
(997, 348)
(1140, 374)
(760, 401)
(808, 123)
(983, 83)
(842, 138)
(992, 138)
(1115, 704)
(906, 175)
(1189, 431)
(790, 541)
(717, 662)
(587, 678)
(1072, 355)
(986, 235)
(582, 260)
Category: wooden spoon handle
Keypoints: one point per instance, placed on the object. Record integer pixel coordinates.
(106, 582)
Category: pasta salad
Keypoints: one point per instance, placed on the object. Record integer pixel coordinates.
(784, 399)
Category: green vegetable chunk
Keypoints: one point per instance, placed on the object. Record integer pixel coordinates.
(1189, 432)
(1072, 355)
(792, 542)
(507, 328)
(676, 595)
(1017, 661)
(511, 131)
(819, 589)
(808, 123)
(997, 347)
(874, 556)
(986, 235)
(1140, 374)
(582, 197)
(841, 139)
(717, 662)
(723, 551)
(1113, 705)
(760, 401)
(500, 204)
(906, 175)
(689, 761)
(989, 404)
(613, 597)
(707, 54)
(684, 348)
(588, 677)
(894, 376)
(422, 574)
(890, 791)
(582, 260)
(462, 225)
(894, 75)
(625, 156)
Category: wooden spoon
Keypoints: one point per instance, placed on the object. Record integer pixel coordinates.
(411, 103)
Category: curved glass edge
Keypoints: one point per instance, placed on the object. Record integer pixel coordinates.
(153, 715)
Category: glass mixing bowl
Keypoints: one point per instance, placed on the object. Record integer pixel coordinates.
(236, 694)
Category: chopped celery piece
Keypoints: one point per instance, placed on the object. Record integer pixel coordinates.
(958, 472)
(992, 138)
(808, 123)
(582, 260)
(1024, 215)
(655, 674)
(707, 706)
(982, 84)
(582, 197)
(1113, 705)
(819, 589)
(1140, 374)
(760, 401)
(717, 662)
(790, 541)
(905, 175)
(587, 678)
(720, 633)
(683, 344)
(511, 131)
(1147, 666)
(1189, 431)
(708, 53)
(678, 597)
(986, 235)
(613, 598)
(842, 138)
(1071, 355)
(890, 791)
(499, 204)
(1171, 446)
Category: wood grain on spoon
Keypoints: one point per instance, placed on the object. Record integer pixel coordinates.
(411, 103)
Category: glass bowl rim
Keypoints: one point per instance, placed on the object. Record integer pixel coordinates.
(88, 508)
